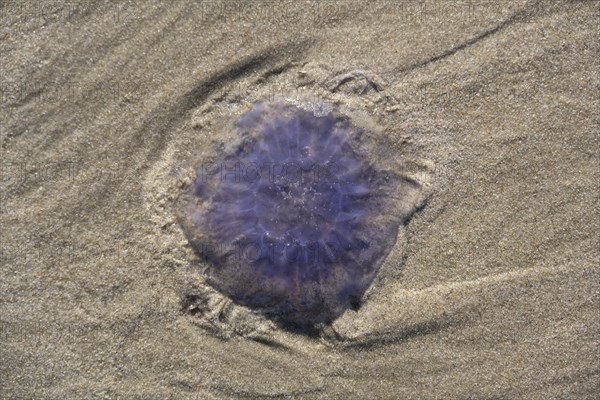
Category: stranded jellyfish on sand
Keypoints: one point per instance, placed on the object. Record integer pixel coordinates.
(294, 218)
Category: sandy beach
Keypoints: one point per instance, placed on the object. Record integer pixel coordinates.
(490, 110)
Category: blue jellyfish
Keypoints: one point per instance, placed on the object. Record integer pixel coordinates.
(293, 218)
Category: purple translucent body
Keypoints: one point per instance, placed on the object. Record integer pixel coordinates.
(292, 218)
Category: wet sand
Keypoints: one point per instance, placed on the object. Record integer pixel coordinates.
(490, 291)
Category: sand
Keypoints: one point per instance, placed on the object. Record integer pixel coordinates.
(491, 291)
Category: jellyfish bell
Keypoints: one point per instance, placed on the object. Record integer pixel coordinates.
(296, 217)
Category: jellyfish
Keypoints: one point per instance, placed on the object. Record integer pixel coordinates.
(295, 216)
